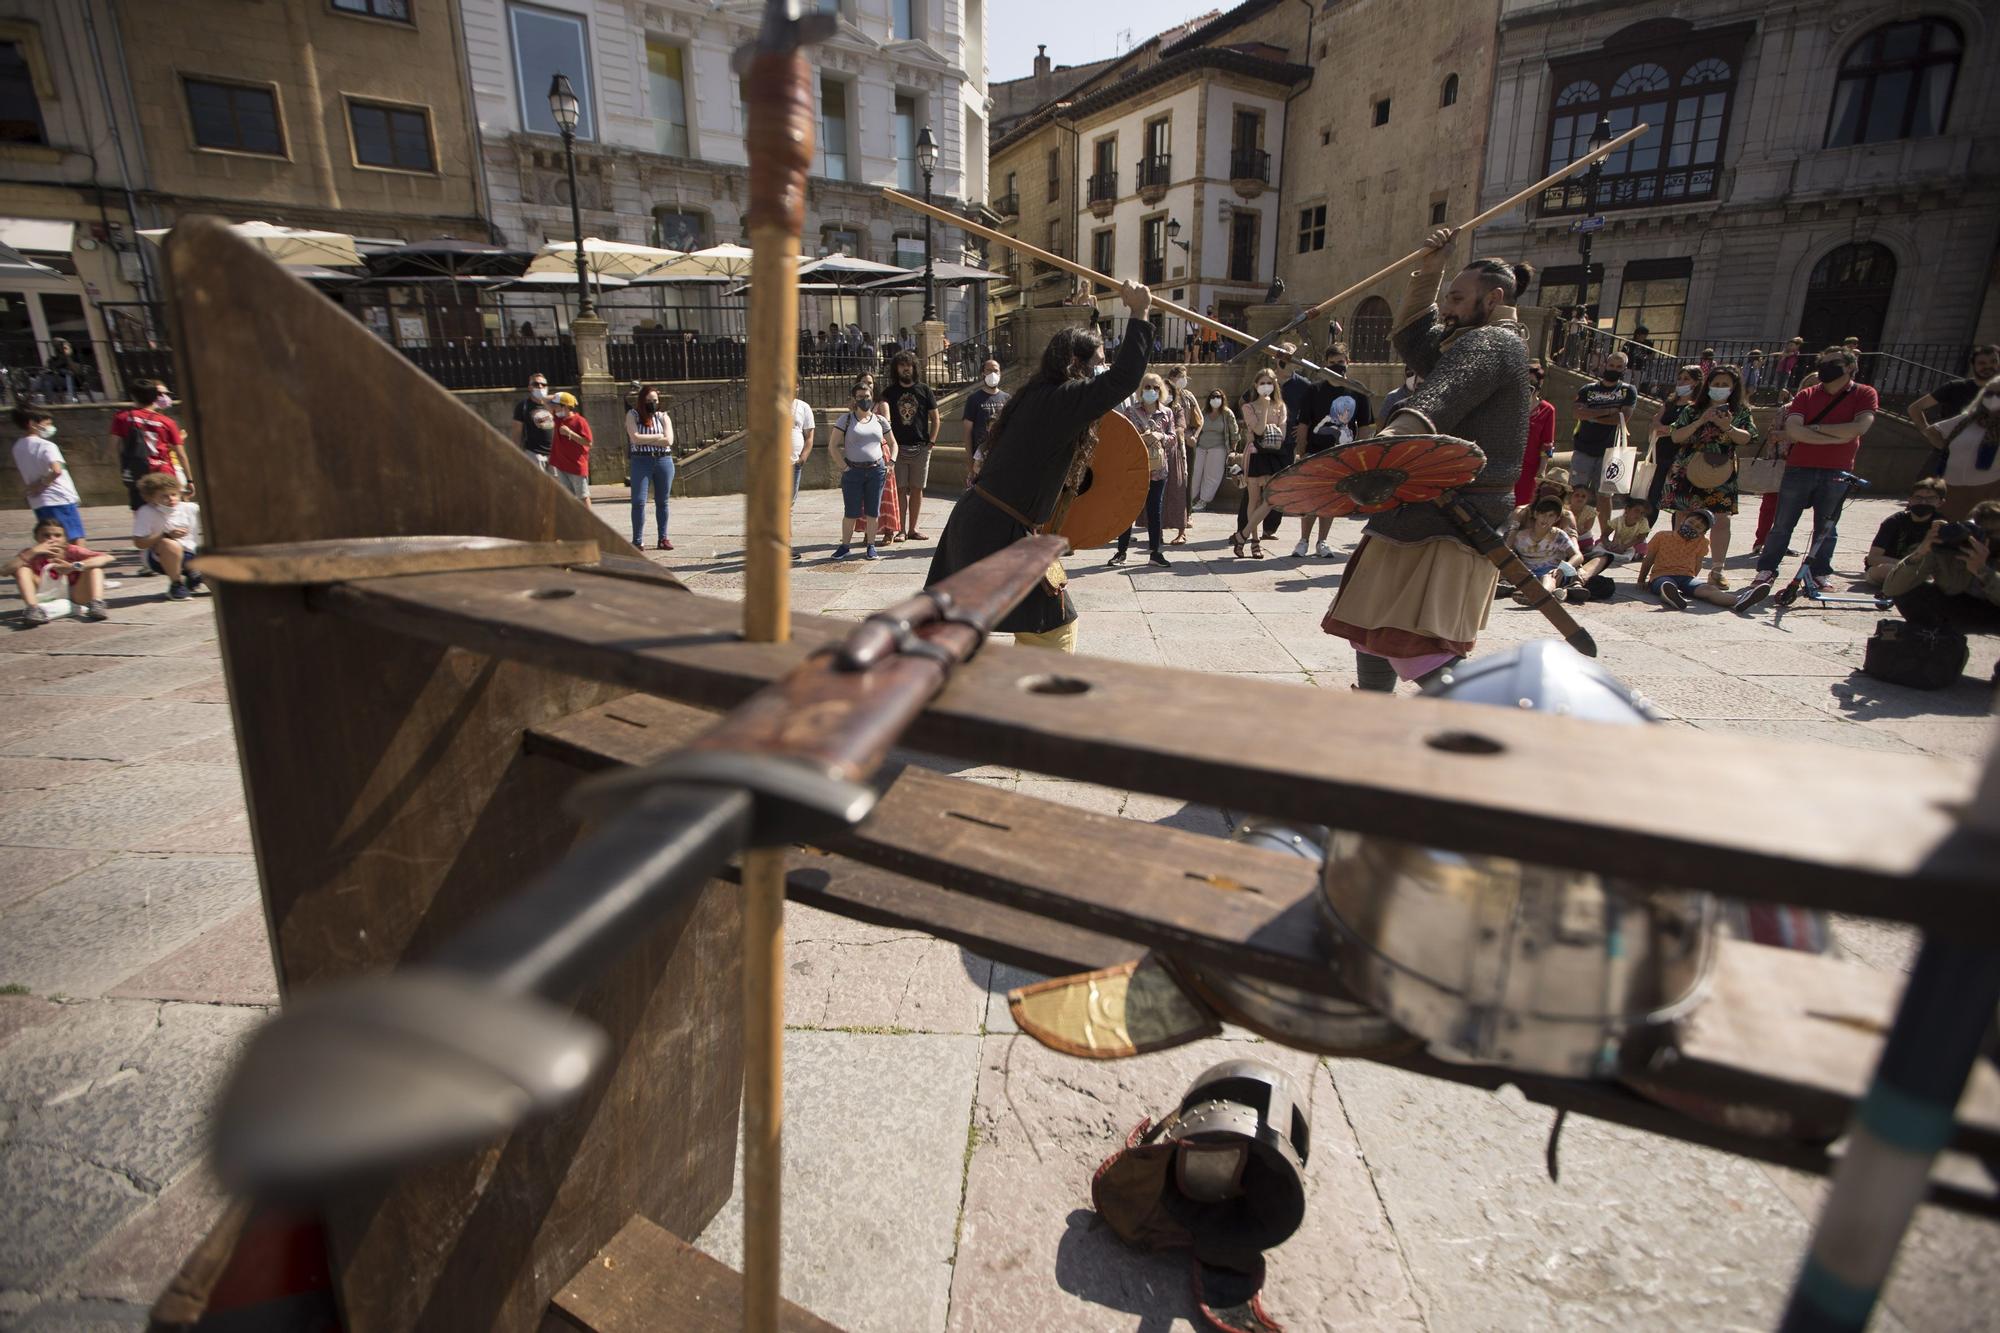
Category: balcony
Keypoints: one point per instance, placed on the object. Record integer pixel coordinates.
(1153, 270)
(1249, 171)
(1678, 185)
(1155, 174)
(1008, 205)
(1103, 192)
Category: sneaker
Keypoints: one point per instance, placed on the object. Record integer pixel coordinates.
(1158, 558)
(868, 552)
(1764, 578)
(1575, 593)
(178, 591)
(1117, 558)
(1671, 594)
(1749, 597)
(35, 615)
(1323, 551)
(1299, 551)
(95, 611)
(842, 551)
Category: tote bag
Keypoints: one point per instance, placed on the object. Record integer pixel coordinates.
(1619, 461)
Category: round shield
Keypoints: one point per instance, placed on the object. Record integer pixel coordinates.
(1373, 475)
(1114, 486)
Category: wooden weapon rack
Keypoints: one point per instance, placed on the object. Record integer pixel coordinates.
(409, 724)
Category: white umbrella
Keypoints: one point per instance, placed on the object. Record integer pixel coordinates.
(948, 274)
(717, 261)
(620, 259)
(290, 245)
(846, 268)
(553, 281)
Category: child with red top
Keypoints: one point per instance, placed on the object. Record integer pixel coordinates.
(149, 441)
(1541, 439)
(569, 448)
(54, 556)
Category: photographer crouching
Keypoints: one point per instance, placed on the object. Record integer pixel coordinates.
(1952, 578)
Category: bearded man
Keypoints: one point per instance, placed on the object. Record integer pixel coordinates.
(1416, 595)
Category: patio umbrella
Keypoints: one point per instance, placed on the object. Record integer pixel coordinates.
(948, 275)
(446, 257)
(618, 259)
(848, 271)
(557, 282)
(717, 261)
(289, 245)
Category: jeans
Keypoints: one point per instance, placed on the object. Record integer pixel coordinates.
(1819, 488)
(653, 472)
(798, 475)
(1155, 493)
(861, 489)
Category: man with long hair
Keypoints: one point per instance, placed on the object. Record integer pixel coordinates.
(1029, 452)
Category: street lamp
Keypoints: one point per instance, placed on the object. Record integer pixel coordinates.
(927, 161)
(1174, 235)
(565, 108)
(1598, 138)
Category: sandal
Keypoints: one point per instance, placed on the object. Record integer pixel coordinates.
(1256, 549)
(1716, 579)
(1236, 545)
(1179, 541)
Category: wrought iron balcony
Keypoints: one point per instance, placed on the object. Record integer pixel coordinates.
(1250, 164)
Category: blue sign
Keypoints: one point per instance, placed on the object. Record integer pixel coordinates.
(1587, 224)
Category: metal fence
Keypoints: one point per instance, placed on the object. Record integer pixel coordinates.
(50, 370)
(477, 365)
(1900, 373)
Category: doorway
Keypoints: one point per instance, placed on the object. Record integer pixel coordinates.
(1848, 296)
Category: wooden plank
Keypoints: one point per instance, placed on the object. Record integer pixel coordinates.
(648, 1279)
(293, 564)
(391, 803)
(1471, 778)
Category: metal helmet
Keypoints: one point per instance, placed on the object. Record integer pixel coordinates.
(1494, 960)
(1241, 1137)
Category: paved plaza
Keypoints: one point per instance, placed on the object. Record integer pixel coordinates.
(938, 1163)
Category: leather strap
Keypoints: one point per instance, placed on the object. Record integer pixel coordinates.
(1003, 506)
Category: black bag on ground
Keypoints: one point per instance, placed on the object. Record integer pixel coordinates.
(1601, 588)
(1923, 657)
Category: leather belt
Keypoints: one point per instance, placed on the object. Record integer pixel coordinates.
(1003, 506)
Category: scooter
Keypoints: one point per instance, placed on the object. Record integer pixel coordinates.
(1805, 584)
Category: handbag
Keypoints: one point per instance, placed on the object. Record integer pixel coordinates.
(1619, 460)
(1709, 471)
(1922, 657)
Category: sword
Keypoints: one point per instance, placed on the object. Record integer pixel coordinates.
(1479, 534)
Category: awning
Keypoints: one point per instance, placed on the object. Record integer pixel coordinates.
(43, 235)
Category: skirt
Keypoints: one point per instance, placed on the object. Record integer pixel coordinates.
(891, 518)
(1174, 501)
(1398, 600)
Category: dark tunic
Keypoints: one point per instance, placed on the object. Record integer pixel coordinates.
(1025, 468)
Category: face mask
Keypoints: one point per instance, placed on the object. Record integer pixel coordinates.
(652, 405)
(538, 391)
(1689, 531)
(1990, 403)
(1178, 382)
(992, 379)
(1611, 376)
(1151, 396)
(47, 430)
(1683, 390)
(1410, 383)
(1215, 404)
(1718, 395)
(1831, 370)
(1922, 511)
(163, 402)
(1266, 390)
(1098, 369)
(1338, 368)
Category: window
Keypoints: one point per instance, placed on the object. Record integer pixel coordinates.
(679, 230)
(666, 97)
(20, 109)
(381, 9)
(909, 250)
(391, 136)
(1055, 174)
(1104, 251)
(1012, 185)
(906, 14)
(1683, 90)
(1104, 171)
(546, 45)
(1653, 296)
(1055, 245)
(1559, 285)
(1372, 327)
(840, 241)
(1243, 227)
(1312, 228)
(1449, 95)
(906, 142)
(1847, 296)
(1159, 147)
(1246, 130)
(233, 117)
(1382, 112)
(833, 127)
(1895, 84)
(1437, 212)
(1153, 247)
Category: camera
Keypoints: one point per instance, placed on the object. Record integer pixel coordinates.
(1953, 537)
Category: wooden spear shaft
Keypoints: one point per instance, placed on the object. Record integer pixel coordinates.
(780, 142)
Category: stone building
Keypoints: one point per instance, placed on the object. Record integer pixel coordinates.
(1014, 100)
(1828, 171)
(660, 152)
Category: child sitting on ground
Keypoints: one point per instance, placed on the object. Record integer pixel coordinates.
(1545, 546)
(1674, 556)
(168, 529)
(53, 556)
(1583, 516)
(1621, 545)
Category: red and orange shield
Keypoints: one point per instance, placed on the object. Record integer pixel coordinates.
(1370, 476)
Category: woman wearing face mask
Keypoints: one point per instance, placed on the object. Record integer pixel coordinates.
(889, 518)
(861, 437)
(1187, 428)
(1155, 422)
(649, 448)
(1030, 452)
(1707, 433)
(1971, 441)
(1214, 446)
(1660, 439)
(1902, 533)
(1269, 445)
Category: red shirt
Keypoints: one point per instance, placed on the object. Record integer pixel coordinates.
(1541, 444)
(152, 435)
(1809, 404)
(567, 455)
(72, 552)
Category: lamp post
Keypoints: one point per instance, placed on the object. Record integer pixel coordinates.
(927, 161)
(1174, 235)
(1598, 138)
(564, 107)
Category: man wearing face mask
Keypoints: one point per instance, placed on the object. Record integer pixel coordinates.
(1952, 579)
(1951, 399)
(982, 405)
(150, 441)
(1030, 450)
(535, 422)
(1901, 533)
(1602, 411)
(1415, 594)
(1824, 424)
(1970, 446)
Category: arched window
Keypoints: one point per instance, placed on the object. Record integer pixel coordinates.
(1847, 295)
(1371, 328)
(1895, 84)
(1450, 93)
(1664, 73)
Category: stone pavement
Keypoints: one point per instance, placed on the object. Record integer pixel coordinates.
(938, 1165)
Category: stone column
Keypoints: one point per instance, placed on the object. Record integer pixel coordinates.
(602, 401)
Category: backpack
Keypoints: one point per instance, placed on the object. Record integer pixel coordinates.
(1923, 657)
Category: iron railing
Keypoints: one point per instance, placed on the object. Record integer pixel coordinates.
(1153, 270)
(1249, 164)
(1008, 205)
(1156, 172)
(1900, 373)
(51, 370)
(1104, 187)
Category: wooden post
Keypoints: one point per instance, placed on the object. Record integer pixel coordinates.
(781, 147)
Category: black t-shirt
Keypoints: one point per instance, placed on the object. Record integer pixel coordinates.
(982, 408)
(1297, 391)
(1324, 396)
(538, 424)
(1954, 398)
(1899, 534)
(910, 408)
(1594, 437)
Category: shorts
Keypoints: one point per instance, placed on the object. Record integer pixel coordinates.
(1564, 571)
(542, 461)
(861, 489)
(913, 471)
(575, 485)
(1585, 470)
(187, 563)
(1685, 582)
(69, 516)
